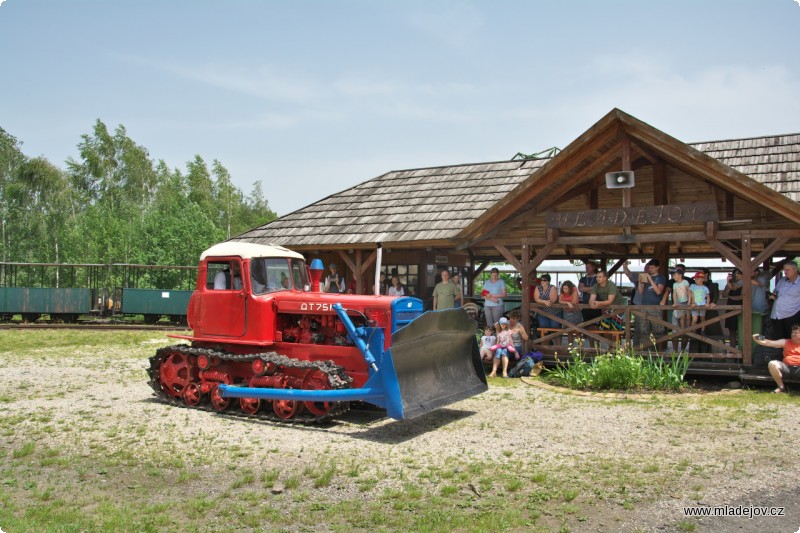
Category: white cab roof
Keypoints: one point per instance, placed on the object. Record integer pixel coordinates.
(247, 250)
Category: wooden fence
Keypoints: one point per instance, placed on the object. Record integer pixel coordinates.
(596, 340)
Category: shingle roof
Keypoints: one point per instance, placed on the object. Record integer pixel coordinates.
(430, 204)
(773, 161)
(418, 204)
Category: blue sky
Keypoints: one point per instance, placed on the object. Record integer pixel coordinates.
(313, 97)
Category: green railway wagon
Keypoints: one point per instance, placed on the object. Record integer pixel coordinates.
(31, 303)
(154, 303)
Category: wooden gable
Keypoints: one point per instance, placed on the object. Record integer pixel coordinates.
(667, 173)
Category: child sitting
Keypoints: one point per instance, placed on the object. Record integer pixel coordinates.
(504, 346)
(487, 341)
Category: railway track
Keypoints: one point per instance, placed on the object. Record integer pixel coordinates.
(108, 327)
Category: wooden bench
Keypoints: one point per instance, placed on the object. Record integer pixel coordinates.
(617, 334)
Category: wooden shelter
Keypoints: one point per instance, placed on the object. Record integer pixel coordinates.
(736, 199)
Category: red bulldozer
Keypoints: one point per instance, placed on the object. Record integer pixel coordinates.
(267, 342)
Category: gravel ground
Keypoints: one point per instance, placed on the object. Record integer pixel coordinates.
(746, 457)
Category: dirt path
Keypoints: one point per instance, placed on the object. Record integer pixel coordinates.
(581, 462)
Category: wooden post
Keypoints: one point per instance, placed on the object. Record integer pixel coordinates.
(660, 189)
(626, 165)
(661, 252)
(526, 289)
(747, 292)
(359, 273)
(628, 315)
(626, 153)
(594, 196)
(470, 275)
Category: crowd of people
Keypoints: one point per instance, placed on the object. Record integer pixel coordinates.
(692, 298)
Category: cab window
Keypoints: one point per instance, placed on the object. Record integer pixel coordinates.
(300, 275)
(223, 275)
(269, 274)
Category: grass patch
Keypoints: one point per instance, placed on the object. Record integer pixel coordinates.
(325, 477)
(31, 342)
(26, 450)
(246, 478)
(292, 482)
(621, 369)
(269, 477)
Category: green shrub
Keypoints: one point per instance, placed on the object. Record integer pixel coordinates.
(621, 369)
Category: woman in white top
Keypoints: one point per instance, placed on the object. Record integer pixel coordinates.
(493, 293)
(396, 288)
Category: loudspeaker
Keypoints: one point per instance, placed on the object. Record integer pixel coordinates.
(619, 180)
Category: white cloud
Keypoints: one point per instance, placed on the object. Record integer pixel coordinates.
(304, 98)
(731, 101)
(360, 85)
(281, 120)
(422, 111)
(720, 101)
(260, 81)
(715, 102)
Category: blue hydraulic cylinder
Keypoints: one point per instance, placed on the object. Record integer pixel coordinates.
(356, 336)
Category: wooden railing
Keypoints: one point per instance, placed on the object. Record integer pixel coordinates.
(590, 330)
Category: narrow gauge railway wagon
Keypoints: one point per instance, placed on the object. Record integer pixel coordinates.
(152, 291)
(65, 292)
(62, 291)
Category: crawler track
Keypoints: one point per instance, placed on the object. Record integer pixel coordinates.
(336, 376)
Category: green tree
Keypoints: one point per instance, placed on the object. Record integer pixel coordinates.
(201, 187)
(93, 175)
(11, 160)
(118, 182)
(114, 204)
(41, 202)
(228, 197)
(256, 210)
(177, 236)
(135, 174)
